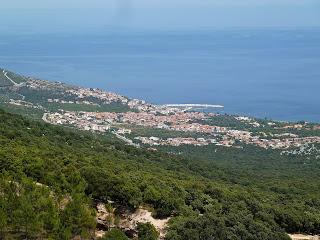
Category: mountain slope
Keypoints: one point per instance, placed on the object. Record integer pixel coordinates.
(87, 167)
(8, 78)
(215, 176)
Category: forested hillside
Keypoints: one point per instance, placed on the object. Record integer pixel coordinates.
(50, 177)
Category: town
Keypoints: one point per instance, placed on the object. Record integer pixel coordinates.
(179, 122)
(176, 118)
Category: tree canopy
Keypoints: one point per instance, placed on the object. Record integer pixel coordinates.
(49, 177)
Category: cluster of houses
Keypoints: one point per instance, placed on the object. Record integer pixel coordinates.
(283, 141)
(182, 122)
(155, 141)
(36, 84)
(103, 96)
(95, 96)
(57, 100)
(177, 122)
(80, 121)
(161, 117)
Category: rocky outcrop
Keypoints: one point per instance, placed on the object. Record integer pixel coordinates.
(303, 237)
(105, 219)
(141, 215)
(128, 221)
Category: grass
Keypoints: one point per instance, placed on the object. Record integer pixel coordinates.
(5, 82)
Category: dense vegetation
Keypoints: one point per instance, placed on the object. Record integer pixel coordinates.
(50, 176)
(146, 231)
(115, 234)
(31, 113)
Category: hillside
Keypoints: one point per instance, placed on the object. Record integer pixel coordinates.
(92, 160)
(87, 167)
(8, 78)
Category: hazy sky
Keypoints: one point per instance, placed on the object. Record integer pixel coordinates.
(82, 15)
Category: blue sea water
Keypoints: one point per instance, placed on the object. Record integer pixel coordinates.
(273, 73)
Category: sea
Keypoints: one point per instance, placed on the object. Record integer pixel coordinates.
(265, 73)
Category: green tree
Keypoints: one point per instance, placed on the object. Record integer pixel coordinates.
(115, 234)
(77, 218)
(3, 220)
(146, 231)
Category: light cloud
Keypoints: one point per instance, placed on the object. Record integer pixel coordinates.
(32, 4)
(68, 15)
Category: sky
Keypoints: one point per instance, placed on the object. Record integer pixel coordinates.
(45, 16)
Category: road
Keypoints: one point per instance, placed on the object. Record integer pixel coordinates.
(6, 75)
